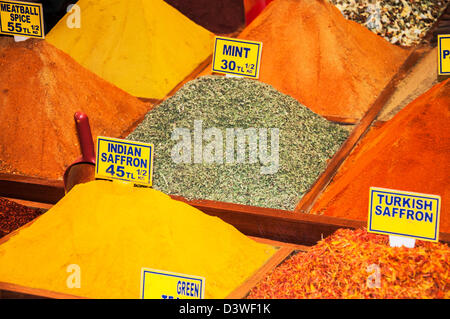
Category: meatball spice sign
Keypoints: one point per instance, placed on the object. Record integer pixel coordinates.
(405, 214)
(124, 160)
(159, 284)
(22, 19)
(237, 57)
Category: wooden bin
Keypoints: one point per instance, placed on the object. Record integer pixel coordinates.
(285, 228)
(14, 291)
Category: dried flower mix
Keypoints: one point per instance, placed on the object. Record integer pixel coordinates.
(346, 265)
(14, 216)
(306, 142)
(112, 230)
(402, 22)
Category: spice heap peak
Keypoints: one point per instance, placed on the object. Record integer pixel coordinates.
(144, 47)
(38, 136)
(111, 231)
(334, 66)
(237, 140)
(411, 152)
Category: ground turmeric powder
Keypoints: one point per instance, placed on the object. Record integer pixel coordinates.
(144, 47)
(112, 230)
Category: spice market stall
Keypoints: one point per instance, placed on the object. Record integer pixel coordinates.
(332, 96)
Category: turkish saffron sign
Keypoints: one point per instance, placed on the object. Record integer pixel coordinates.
(407, 214)
(22, 18)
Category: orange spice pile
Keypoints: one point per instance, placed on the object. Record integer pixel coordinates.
(345, 265)
(334, 66)
(411, 152)
(41, 88)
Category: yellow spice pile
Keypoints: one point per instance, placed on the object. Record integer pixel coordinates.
(145, 47)
(111, 231)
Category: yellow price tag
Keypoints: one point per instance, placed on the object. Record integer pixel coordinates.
(160, 284)
(124, 160)
(22, 18)
(407, 214)
(444, 54)
(238, 57)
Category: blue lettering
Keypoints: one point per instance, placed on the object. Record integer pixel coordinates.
(196, 290)
(137, 151)
(391, 200)
(386, 212)
(409, 214)
(227, 50)
(429, 217)
(103, 157)
(428, 205)
(394, 211)
(246, 51)
(402, 212)
(406, 202)
(417, 215)
(238, 52)
(445, 54)
(378, 210)
(380, 198)
(419, 204)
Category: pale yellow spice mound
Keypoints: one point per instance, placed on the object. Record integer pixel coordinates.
(145, 47)
(111, 231)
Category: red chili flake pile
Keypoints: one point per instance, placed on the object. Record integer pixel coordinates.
(361, 265)
(14, 216)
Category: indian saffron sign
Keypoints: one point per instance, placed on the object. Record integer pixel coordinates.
(22, 18)
(237, 57)
(407, 214)
(124, 160)
(160, 284)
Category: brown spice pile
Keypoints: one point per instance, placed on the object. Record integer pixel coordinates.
(40, 90)
(411, 152)
(345, 265)
(334, 66)
(14, 216)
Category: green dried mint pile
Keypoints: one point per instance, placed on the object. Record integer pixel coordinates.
(237, 140)
(402, 22)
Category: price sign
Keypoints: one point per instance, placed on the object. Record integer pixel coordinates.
(160, 284)
(237, 57)
(405, 214)
(22, 18)
(444, 54)
(124, 160)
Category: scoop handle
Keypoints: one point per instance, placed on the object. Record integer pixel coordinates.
(85, 137)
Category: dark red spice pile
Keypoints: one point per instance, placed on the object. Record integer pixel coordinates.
(218, 16)
(13, 216)
(348, 263)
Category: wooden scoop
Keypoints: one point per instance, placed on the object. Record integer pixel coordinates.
(83, 169)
